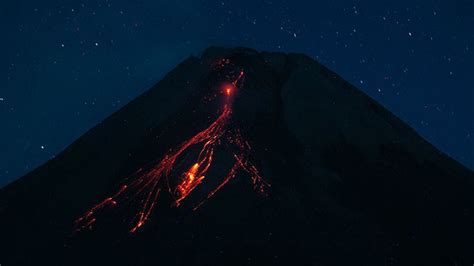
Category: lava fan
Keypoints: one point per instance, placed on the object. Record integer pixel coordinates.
(145, 186)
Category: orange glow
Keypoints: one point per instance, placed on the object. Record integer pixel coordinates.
(146, 185)
(189, 182)
(228, 90)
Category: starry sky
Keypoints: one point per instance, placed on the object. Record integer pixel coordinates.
(66, 65)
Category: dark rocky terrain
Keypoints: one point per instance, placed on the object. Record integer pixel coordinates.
(351, 184)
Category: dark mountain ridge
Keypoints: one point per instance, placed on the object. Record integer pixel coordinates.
(350, 182)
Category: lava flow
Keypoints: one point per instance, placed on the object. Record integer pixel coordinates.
(147, 185)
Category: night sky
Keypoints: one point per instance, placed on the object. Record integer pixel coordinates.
(67, 65)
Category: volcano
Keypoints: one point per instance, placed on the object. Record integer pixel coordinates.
(241, 157)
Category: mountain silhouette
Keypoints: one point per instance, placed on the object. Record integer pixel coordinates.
(302, 169)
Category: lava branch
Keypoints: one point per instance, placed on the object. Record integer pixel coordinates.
(147, 185)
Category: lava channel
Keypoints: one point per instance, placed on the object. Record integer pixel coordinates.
(146, 185)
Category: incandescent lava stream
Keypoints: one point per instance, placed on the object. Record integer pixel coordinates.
(146, 185)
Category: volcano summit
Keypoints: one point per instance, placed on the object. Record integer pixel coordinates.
(240, 157)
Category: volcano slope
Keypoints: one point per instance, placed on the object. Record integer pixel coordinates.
(302, 169)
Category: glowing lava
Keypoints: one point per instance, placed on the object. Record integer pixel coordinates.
(147, 185)
(228, 90)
